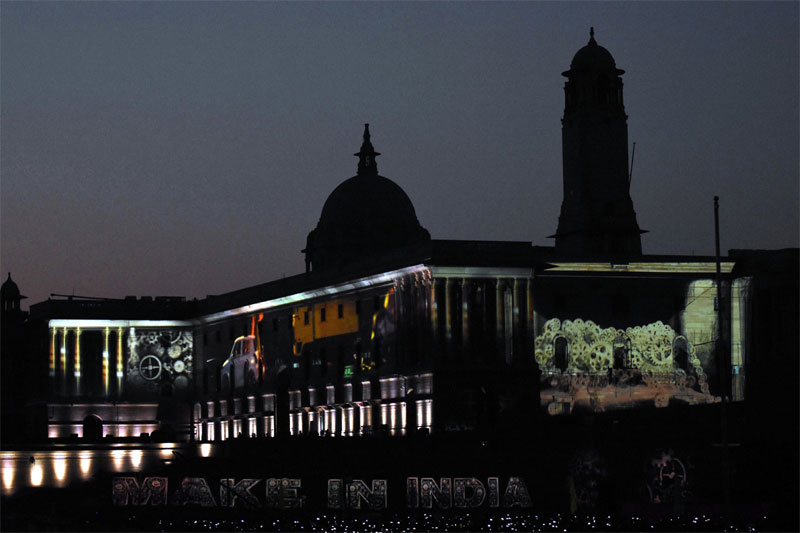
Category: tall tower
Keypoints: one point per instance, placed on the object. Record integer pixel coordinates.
(597, 216)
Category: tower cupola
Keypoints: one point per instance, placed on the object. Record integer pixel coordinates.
(597, 216)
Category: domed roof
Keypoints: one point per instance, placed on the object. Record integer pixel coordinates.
(593, 57)
(9, 289)
(364, 215)
(363, 200)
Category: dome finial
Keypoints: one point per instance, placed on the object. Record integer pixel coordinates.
(591, 35)
(366, 156)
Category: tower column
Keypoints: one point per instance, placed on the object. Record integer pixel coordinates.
(77, 362)
(52, 361)
(465, 288)
(63, 350)
(448, 295)
(499, 317)
(106, 372)
(119, 371)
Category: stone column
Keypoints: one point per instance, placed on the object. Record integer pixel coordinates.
(63, 350)
(120, 371)
(106, 368)
(52, 362)
(499, 329)
(531, 333)
(77, 361)
(465, 288)
(434, 307)
(447, 311)
(517, 338)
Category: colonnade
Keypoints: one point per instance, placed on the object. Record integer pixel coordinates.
(462, 312)
(66, 361)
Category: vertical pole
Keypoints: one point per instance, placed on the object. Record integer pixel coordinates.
(434, 307)
(106, 372)
(722, 362)
(119, 363)
(63, 349)
(447, 312)
(499, 318)
(53, 383)
(78, 361)
(465, 289)
(531, 334)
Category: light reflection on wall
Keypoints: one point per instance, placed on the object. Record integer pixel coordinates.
(60, 468)
(349, 422)
(269, 425)
(366, 415)
(136, 458)
(117, 457)
(330, 417)
(85, 463)
(37, 474)
(9, 469)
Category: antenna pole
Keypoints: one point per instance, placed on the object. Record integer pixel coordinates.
(630, 173)
(722, 368)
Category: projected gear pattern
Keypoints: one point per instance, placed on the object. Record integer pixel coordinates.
(591, 348)
(159, 356)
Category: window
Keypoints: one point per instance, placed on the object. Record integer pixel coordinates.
(358, 307)
(322, 314)
(561, 358)
(340, 311)
(305, 318)
(219, 336)
(205, 339)
(274, 324)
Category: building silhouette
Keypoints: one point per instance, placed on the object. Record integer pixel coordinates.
(391, 332)
(597, 217)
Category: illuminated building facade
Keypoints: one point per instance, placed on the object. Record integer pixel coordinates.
(391, 332)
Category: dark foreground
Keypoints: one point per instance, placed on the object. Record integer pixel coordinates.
(657, 471)
(59, 512)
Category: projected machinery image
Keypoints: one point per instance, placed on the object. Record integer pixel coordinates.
(588, 367)
(159, 361)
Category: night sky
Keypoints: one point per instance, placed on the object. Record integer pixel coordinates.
(187, 148)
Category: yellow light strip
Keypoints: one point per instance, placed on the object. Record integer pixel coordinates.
(119, 361)
(53, 353)
(77, 361)
(64, 357)
(106, 380)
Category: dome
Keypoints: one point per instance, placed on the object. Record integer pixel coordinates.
(364, 215)
(9, 289)
(593, 57)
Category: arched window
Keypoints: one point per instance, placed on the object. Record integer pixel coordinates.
(561, 357)
(680, 354)
(93, 428)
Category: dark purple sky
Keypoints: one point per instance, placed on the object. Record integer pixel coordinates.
(187, 148)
